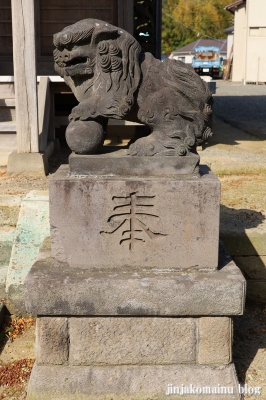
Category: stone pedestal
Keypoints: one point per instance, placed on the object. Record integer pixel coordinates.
(140, 222)
(133, 300)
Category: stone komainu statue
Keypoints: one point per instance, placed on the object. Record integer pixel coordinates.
(111, 78)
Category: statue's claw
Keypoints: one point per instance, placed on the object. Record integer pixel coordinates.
(146, 146)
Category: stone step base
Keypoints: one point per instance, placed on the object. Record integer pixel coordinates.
(133, 382)
(7, 235)
(148, 292)
(32, 228)
(94, 341)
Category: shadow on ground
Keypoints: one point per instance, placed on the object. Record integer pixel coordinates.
(243, 108)
(58, 158)
(249, 346)
(244, 112)
(249, 339)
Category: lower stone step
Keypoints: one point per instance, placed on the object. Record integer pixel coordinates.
(32, 228)
(159, 293)
(146, 382)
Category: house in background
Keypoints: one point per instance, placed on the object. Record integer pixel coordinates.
(230, 40)
(249, 55)
(186, 53)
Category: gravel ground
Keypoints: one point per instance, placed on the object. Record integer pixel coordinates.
(21, 185)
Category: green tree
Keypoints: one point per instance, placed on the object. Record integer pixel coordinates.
(170, 29)
(185, 21)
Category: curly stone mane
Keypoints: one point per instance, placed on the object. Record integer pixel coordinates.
(109, 76)
(196, 95)
(111, 64)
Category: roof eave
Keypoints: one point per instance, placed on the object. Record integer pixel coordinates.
(233, 6)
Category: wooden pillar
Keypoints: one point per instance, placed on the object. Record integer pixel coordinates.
(24, 56)
(126, 15)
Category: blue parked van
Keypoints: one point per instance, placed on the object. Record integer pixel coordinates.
(207, 61)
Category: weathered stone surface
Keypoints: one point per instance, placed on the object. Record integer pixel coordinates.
(85, 137)
(215, 340)
(116, 162)
(114, 222)
(119, 82)
(32, 228)
(30, 164)
(134, 292)
(254, 267)
(127, 341)
(129, 382)
(7, 235)
(45, 249)
(52, 340)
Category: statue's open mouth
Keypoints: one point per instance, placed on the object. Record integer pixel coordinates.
(79, 66)
(75, 61)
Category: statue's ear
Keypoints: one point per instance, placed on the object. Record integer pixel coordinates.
(104, 33)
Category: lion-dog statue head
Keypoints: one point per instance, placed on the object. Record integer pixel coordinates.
(109, 76)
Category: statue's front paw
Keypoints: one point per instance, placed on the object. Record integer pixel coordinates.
(75, 114)
(82, 112)
(145, 147)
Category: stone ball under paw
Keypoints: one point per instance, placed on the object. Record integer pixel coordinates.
(85, 137)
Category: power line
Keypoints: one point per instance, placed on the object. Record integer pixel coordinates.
(191, 29)
(180, 23)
